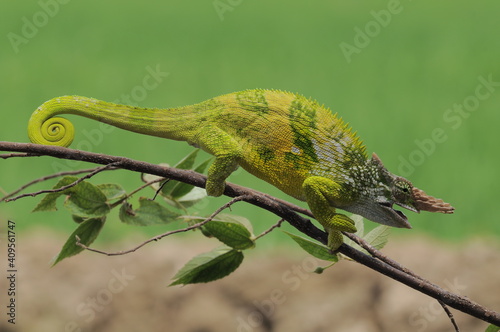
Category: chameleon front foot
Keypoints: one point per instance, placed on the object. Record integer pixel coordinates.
(334, 227)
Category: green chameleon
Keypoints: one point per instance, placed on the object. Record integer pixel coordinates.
(287, 140)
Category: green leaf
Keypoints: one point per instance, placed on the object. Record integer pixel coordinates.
(48, 203)
(209, 266)
(78, 219)
(227, 218)
(316, 249)
(234, 231)
(148, 213)
(236, 219)
(492, 328)
(86, 200)
(194, 196)
(175, 191)
(87, 231)
(232, 234)
(378, 237)
(360, 225)
(112, 191)
(186, 163)
(181, 189)
(203, 166)
(150, 177)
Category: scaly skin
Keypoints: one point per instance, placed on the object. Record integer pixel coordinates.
(285, 139)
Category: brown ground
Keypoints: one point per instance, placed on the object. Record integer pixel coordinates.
(270, 292)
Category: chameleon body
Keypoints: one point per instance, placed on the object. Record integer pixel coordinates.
(289, 141)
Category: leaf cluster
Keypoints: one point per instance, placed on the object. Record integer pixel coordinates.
(90, 205)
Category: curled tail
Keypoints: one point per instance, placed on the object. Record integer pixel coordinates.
(46, 128)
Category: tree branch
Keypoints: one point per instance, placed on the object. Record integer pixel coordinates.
(280, 208)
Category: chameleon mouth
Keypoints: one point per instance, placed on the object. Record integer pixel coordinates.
(401, 214)
(398, 218)
(408, 207)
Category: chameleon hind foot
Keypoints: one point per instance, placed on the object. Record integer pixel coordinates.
(218, 172)
(215, 188)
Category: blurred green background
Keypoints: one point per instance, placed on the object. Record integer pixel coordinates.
(408, 76)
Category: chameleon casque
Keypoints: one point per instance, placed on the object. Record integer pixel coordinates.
(289, 141)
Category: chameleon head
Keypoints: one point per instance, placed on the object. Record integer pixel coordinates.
(389, 189)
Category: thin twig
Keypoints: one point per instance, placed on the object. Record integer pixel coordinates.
(46, 191)
(379, 255)
(161, 236)
(49, 177)
(450, 315)
(278, 224)
(134, 192)
(17, 155)
(3, 191)
(160, 187)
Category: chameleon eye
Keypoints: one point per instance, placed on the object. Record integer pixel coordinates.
(404, 186)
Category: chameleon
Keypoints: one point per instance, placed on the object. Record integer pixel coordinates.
(285, 139)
